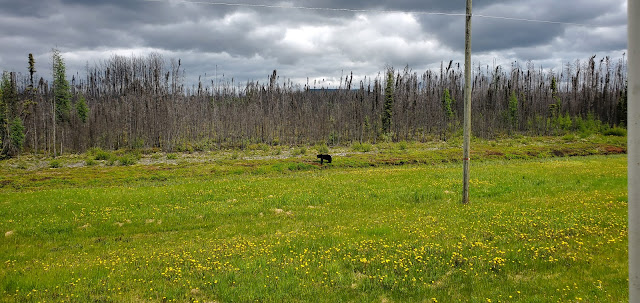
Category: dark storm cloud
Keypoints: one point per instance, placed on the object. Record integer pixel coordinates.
(250, 42)
(28, 8)
(500, 34)
(490, 34)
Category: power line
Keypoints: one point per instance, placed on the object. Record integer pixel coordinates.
(352, 10)
(531, 20)
(308, 8)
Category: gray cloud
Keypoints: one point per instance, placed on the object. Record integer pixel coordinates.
(250, 42)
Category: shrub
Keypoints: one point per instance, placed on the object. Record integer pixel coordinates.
(55, 164)
(386, 137)
(299, 151)
(258, 146)
(361, 147)
(127, 160)
(99, 154)
(172, 156)
(356, 146)
(322, 148)
(185, 146)
(615, 131)
(402, 145)
(90, 162)
(136, 154)
(589, 126)
(22, 165)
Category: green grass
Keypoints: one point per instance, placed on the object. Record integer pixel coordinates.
(538, 229)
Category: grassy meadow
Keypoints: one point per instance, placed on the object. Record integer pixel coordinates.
(382, 223)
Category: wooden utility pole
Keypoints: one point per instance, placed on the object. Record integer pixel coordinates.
(633, 143)
(467, 106)
(53, 96)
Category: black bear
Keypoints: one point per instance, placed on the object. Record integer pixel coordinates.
(324, 157)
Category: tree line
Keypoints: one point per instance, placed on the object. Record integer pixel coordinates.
(144, 102)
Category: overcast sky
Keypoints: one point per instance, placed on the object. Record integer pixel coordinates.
(248, 43)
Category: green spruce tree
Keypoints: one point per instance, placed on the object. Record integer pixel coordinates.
(448, 113)
(3, 116)
(11, 127)
(387, 114)
(513, 110)
(447, 105)
(16, 130)
(81, 108)
(62, 94)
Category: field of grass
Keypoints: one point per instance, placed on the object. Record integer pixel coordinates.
(538, 228)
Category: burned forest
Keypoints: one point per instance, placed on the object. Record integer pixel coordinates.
(145, 102)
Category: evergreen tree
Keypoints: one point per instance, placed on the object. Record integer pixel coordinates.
(31, 102)
(3, 115)
(621, 108)
(556, 106)
(8, 116)
(16, 130)
(513, 109)
(62, 94)
(82, 109)
(448, 113)
(447, 104)
(387, 114)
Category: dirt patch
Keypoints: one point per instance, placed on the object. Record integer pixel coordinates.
(560, 152)
(613, 150)
(395, 161)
